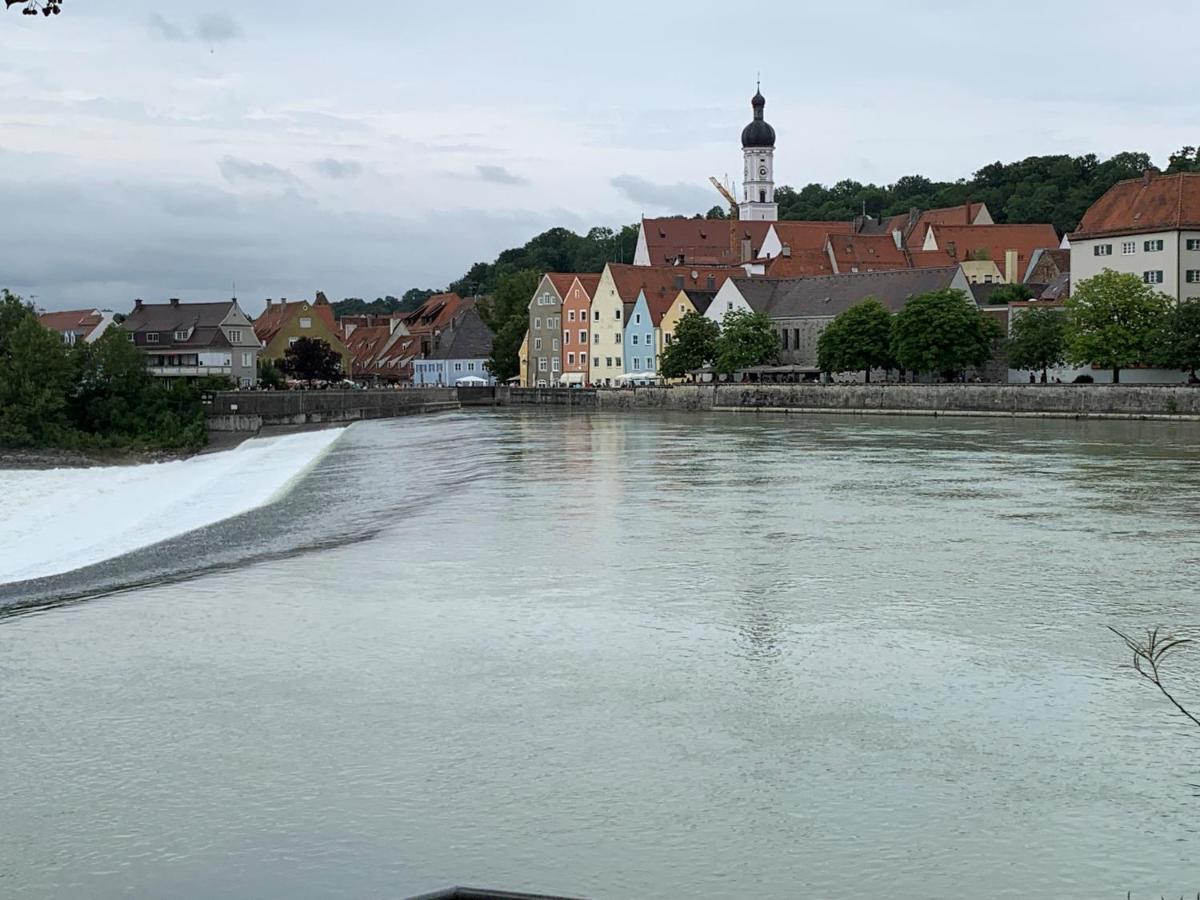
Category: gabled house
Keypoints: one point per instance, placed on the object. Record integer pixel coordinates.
(432, 316)
(195, 340)
(78, 326)
(576, 330)
(282, 324)
(699, 242)
(641, 346)
(991, 254)
(545, 329)
(679, 307)
(381, 352)
(460, 350)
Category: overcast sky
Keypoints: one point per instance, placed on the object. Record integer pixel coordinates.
(172, 149)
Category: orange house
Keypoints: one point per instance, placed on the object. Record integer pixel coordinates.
(576, 325)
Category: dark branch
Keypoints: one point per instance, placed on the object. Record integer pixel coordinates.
(1148, 657)
(33, 7)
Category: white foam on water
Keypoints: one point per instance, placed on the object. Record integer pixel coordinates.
(58, 520)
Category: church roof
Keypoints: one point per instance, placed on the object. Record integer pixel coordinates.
(758, 133)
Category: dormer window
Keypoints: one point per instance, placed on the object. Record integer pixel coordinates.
(181, 336)
(151, 337)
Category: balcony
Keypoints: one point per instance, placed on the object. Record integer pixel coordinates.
(189, 371)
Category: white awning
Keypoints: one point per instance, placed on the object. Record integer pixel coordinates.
(570, 378)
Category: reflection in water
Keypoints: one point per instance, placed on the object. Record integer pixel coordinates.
(627, 656)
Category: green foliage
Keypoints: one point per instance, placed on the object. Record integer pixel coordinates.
(93, 396)
(1114, 319)
(1038, 341)
(1186, 160)
(1056, 189)
(859, 339)
(507, 314)
(747, 340)
(270, 375)
(312, 360)
(1010, 293)
(556, 250)
(693, 346)
(717, 212)
(380, 306)
(943, 332)
(1179, 339)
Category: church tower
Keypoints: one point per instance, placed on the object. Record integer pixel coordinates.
(758, 148)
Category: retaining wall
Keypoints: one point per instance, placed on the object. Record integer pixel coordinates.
(250, 411)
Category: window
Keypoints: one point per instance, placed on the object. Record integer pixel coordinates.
(555, 345)
(247, 360)
(618, 337)
(1193, 276)
(595, 338)
(458, 367)
(570, 315)
(783, 339)
(570, 359)
(762, 196)
(555, 364)
(132, 338)
(583, 335)
(635, 340)
(470, 367)
(1153, 277)
(1153, 246)
(796, 338)
(292, 341)
(542, 366)
(1193, 243)
(608, 361)
(235, 335)
(637, 364)
(617, 314)
(637, 319)
(537, 324)
(537, 343)
(566, 338)
(305, 322)
(151, 337)
(987, 279)
(596, 315)
(1129, 248)
(667, 338)
(1102, 250)
(596, 361)
(181, 336)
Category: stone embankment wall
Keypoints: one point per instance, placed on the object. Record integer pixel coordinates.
(1032, 401)
(250, 411)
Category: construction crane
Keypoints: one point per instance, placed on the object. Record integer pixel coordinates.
(724, 192)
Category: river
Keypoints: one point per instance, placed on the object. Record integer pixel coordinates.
(641, 656)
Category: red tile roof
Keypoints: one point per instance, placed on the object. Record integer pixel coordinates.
(562, 282)
(809, 235)
(1151, 203)
(701, 241)
(81, 322)
(667, 282)
(277, 315)
(866, 252)
(994, 241)
(434, 314)
(800, 264)
(913, 229)
(589, 283)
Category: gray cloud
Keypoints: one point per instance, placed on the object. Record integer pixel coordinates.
(685, 199)
(235, 169)
(499, 175)
(210, 28)
(338, 168)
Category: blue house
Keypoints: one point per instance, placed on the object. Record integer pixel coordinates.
(640, 350)
(458, 352)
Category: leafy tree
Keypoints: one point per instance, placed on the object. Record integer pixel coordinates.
(1179, 340)
(1113, 321)
(859, 339)
(1011, 293)
(717, 212)
(35, 375)
(945, 332)
(1186, 160)
(111, 385)
(414, 299)
(269, 375)
(746, 340)
(312, 360)
(693, 346)
(1038, 340)
(507, 314)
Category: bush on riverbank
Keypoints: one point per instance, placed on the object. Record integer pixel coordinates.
(91, 396)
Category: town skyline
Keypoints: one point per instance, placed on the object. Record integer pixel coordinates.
(230, 146)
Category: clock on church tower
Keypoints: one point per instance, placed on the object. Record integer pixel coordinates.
(758, 148)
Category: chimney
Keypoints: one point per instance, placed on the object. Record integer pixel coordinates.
(174, 301)
(137, 304)
(952, 249)
(1149, 175)
(898, 238)
(1010, 266)
(747, 250)
(269, 302)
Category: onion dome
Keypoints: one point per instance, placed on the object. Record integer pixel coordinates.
(758, 133)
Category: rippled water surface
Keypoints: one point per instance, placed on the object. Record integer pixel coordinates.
(629, 657)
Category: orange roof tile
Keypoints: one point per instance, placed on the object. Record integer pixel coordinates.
(1151, 203)
(77, 321)
(277, 315)
(994, 241)
(866, 252)
(800, 264)
(701, 241)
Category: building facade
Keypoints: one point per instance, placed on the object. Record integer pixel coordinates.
(195, 340)
(758, 157)
(545, 330)
(460, 351)
(78, 326)
(577, 330)
(641, 347)
(608, 332)
(282, 324)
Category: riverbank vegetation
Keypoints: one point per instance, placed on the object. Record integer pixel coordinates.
(95, 396)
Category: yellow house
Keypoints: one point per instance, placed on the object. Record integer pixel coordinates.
(608, 331)
(665, 332)
(523, 359)
(282, 324)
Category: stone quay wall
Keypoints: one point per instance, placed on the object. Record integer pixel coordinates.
(251, 411)
(1097, 401)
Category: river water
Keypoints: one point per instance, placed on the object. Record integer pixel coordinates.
(629, 656)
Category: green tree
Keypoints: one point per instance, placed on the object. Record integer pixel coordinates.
(944, 332)
(1179, 341)
(859, 339)
(1038, 341)
(111, 386)
(269, 375)
(507, 314)
(1113, 321)
(1011, 293)
(35, 376)
(746, 340)
(693, 346)
(312, 360)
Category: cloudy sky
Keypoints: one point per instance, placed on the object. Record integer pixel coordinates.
(175, 149)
